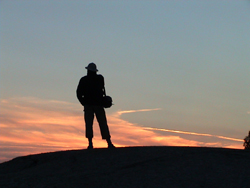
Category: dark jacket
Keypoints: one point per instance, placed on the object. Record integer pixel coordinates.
(90, 90)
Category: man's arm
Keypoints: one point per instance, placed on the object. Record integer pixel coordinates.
(79, 92)
(103, 85)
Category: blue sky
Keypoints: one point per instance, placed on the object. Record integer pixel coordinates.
(188, 59)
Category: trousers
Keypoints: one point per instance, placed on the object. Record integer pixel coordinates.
(90, 111)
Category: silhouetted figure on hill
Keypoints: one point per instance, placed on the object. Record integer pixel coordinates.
(247, 141)
(90, 93)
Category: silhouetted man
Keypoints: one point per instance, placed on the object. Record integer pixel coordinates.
(90, 92)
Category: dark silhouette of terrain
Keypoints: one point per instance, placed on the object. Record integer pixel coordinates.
(172, 167)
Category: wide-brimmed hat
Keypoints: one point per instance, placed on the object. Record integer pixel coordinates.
(92, 67)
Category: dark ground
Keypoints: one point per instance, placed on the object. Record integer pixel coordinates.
(168, 167)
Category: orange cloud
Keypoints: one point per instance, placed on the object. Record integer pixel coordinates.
(31, 125)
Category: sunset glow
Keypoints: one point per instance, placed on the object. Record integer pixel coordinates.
(177, 72)
(31, 125)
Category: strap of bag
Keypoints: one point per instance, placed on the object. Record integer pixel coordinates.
(104, 91)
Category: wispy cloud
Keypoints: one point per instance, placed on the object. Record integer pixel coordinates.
(133, 111)
(194, 133)
(31, 125)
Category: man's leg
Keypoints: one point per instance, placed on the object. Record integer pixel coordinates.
(90, 144)
(102, 120)
(89, 118)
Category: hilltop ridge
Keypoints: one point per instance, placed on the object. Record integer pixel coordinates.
(130, 167)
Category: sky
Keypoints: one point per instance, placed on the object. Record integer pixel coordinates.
(178, 72)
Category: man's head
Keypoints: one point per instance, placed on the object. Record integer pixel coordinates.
(91, 67)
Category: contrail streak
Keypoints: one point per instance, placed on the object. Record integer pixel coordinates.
(132, 111)
(193, 133)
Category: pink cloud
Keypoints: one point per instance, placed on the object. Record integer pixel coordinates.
(31, 125)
